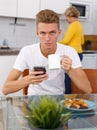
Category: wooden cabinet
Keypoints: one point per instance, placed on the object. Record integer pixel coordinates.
(89, 61)
(6, 64)
(8, 8)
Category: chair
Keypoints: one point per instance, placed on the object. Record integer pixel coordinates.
(92, 76)
(26, 72)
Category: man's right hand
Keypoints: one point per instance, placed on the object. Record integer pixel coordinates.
(36, 77)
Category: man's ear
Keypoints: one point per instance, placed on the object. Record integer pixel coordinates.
(37, 33)
(60, 30)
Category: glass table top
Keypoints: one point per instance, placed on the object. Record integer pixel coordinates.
(14, 116)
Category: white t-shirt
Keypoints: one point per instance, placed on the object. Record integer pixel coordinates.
(31, 56)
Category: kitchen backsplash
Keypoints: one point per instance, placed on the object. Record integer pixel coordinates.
(19, 34)
(24, 31)
(93, 39)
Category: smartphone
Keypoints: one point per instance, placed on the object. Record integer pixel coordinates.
(40, 68)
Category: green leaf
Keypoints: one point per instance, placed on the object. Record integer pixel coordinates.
(46, 113)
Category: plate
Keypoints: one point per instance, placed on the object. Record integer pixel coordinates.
(91, 106)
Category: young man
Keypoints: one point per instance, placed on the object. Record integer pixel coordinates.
(48, 30)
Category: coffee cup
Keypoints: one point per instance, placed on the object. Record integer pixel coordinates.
(54, 61)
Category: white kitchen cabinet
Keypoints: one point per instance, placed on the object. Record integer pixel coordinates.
(59, 6)
(94, 9)
(19, 8)
(8, 8)
(6, 64)
(28, 8)
(81, 0)
(89, 61)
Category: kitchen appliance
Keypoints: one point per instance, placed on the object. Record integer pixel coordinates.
(83, 7)
(4, 45)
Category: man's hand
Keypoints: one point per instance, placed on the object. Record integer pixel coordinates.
(35, 77)
(66, 63)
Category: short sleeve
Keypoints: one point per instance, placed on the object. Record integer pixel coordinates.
(20, 63)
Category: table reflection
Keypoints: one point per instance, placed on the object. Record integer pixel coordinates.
(14, 112)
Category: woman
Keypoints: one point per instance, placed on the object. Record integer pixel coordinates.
(73, 36)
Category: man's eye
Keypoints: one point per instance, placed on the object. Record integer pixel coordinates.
(42, 33)
(52, 33)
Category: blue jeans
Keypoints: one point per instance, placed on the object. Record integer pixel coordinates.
(68, 80)
(80, 56)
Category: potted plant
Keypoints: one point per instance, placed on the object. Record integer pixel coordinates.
(88, 44)
(47, 113)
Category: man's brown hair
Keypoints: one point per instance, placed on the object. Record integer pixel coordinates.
(47, 16)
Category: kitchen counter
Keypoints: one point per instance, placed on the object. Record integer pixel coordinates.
(11, 51)
(89, 51)
(15, 51)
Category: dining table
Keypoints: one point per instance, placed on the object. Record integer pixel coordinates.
(13, 112)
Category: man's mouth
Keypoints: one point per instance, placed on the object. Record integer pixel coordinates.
(48, 44)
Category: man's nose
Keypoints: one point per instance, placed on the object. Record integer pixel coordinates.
(47, 36)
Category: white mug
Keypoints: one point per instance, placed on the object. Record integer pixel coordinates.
(54, 61)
